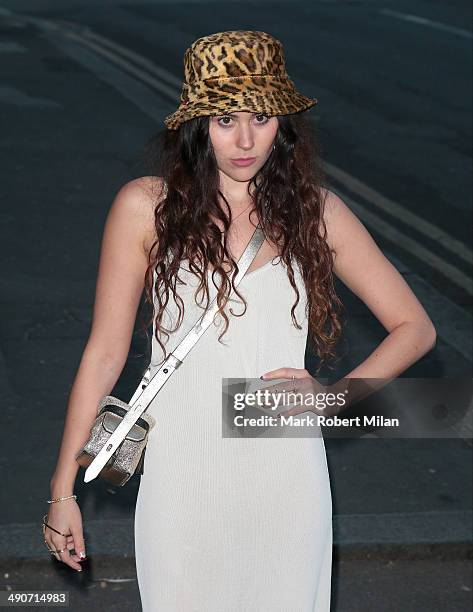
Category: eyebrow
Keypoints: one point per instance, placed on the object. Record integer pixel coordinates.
(234, 114)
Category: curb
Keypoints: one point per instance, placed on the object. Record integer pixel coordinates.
(411, 535)
(406, 535)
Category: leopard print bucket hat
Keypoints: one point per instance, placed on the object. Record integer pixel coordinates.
(237, 70)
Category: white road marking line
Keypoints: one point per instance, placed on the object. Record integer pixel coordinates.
(141, 95)
(400, 212)
(164, 89)
(158, 71)
(427, 22)
(412, 246)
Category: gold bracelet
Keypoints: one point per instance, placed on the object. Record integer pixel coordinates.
(58, 499)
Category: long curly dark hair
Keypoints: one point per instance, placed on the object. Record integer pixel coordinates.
(288, 199)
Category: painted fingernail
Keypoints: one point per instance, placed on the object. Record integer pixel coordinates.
(79, 570)
(82, 555)
(262, 377)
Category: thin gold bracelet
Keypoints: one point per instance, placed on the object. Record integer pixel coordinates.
(58, 499)
(46, 525)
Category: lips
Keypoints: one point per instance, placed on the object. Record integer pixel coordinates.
(244, 161)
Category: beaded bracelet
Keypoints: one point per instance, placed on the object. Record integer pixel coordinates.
(51, 501)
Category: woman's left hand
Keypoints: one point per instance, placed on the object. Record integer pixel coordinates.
(299, 381)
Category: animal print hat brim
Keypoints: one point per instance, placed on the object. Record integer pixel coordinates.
(233, 71)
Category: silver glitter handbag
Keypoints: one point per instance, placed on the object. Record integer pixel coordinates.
(116, 447)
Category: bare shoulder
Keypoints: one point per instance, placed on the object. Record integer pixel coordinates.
(348, 238)
(343, 226)
(137, 200)
(332, 207)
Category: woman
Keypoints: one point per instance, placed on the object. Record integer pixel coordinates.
(224, 523)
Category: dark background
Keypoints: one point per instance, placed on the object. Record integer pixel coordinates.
(393, 81)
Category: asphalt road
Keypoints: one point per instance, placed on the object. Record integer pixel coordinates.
(357, 585)
(394, 118)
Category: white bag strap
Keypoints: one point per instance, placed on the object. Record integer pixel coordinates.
(148, 388)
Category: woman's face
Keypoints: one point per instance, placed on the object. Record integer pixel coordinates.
(242, 135)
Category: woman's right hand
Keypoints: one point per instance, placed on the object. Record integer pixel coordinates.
(65, 516)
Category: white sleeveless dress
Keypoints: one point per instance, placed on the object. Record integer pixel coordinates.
(232, 524)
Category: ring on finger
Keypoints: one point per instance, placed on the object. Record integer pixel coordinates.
(48, 547)
(54, 550)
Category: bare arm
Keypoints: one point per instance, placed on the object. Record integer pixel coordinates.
(128, 233)
(363, 268)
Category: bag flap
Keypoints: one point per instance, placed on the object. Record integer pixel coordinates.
(111, 421)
